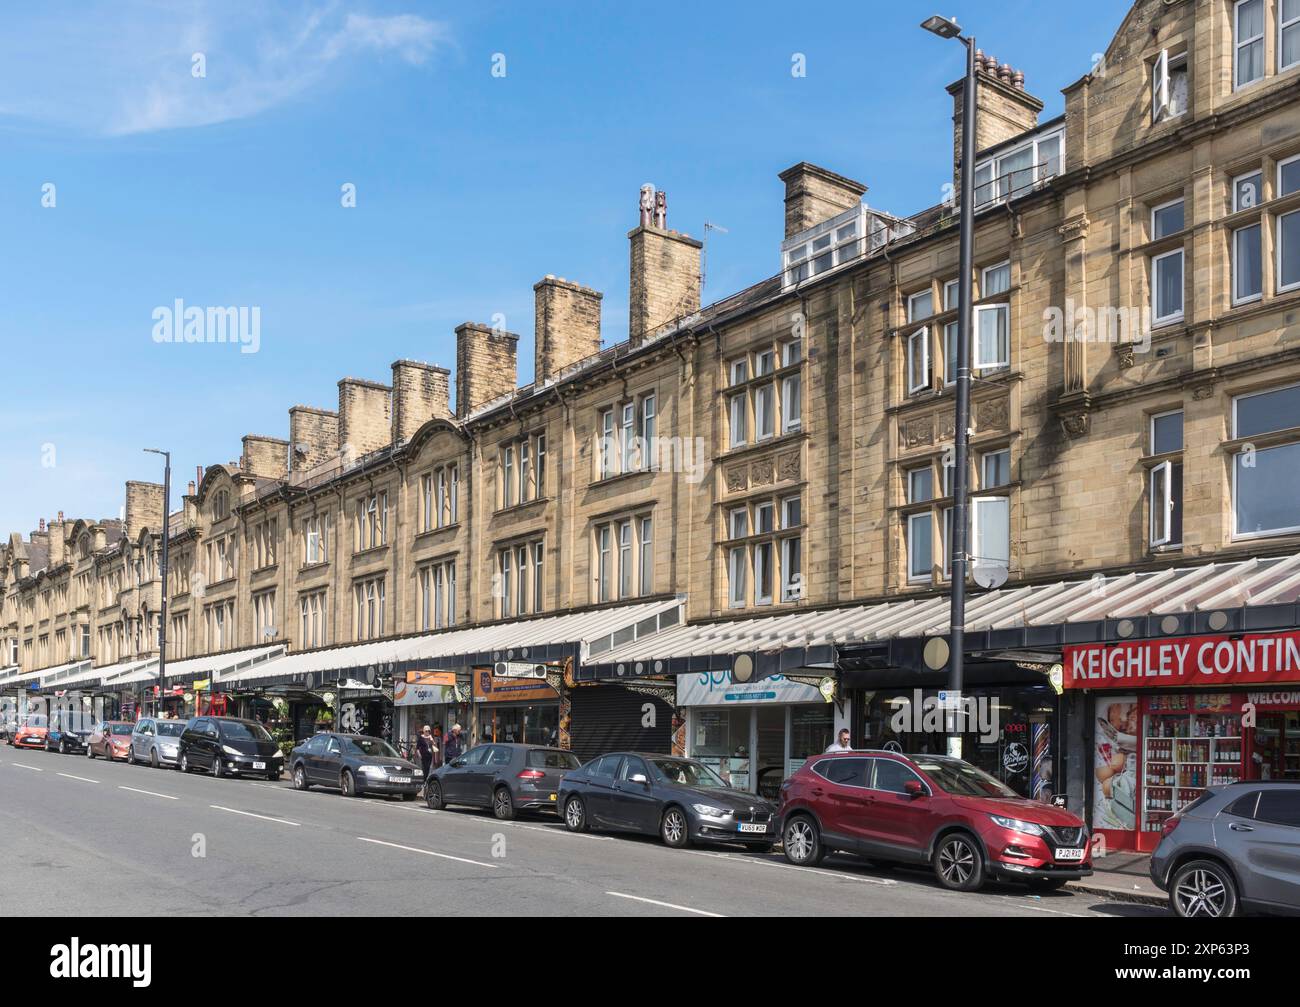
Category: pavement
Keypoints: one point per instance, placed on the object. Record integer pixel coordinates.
(90, 838)
(1122, 876)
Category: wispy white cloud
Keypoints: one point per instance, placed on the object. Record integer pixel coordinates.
(120, 69)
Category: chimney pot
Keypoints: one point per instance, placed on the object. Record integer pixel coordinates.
(42, 524)
(190, 491)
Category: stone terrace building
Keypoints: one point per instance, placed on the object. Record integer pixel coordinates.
(1135, 411)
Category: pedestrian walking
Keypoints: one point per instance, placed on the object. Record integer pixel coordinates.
(841, 743)
(454, 745)
(425, 747)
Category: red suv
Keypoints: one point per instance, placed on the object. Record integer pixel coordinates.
(927, 809)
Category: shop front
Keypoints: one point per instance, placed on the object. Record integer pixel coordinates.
(429, 697)
(521, 710)
(754, 734)
(1168, 719)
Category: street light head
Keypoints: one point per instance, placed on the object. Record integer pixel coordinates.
(944, 27)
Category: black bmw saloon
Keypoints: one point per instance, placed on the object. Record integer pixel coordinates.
(680, 800)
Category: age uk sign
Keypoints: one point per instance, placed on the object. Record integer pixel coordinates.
(1183, 662)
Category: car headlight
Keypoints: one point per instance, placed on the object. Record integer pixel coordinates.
(709, 811)
(1016, 825)
(231, 751)
(374, 771)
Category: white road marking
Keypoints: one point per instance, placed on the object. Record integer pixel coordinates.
(1023, 904)
(428, 853)
(666, 905)
(83, 779)
(34, 769)
(135, 790)
(265, 818)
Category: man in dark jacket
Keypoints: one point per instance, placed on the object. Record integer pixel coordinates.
(453, 746)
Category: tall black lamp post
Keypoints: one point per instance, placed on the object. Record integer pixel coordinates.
(949, 29)
(162, 573)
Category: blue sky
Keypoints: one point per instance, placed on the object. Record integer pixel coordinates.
(225, 189)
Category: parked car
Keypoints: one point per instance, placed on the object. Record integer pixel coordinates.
(229, 746)
(111, 739)
(680, 800)
(924, 809)
(355, 763)
(8, 726)
(1234, 849)
(31, 732)
(507, 778)
(156, 740)
(68, 732)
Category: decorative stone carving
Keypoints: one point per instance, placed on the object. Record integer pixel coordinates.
(992, 414)
(1202, 392)
(737, 479)
(914, 433)
(1124, 355)
(762, 472)
(1074, 228)
(788, 466)
(1075, 423)
(947, 426)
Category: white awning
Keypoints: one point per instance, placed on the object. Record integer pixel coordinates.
(8, 673)
(1185, 593)
(58, 672)
(538, 639)
(88, 677)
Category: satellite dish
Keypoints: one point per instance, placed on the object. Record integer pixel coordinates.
(989, 573)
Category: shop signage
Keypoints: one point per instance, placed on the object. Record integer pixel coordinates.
(490, 688)
(1216, 661)
(413, 694)
(714, 688)
(431, 677)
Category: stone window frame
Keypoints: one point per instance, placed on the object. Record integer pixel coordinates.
(1166, 247)
(313, 609)
(1238, 44)
(514, 589)
(1164, 468)
(627, 433)
(1278, 286)
(318, 525)
(740, 552)
(219, 625)
(1282, 28)
(369, 607)
(521, 471)
(626, 559)
(370, 521)
(264, 616)
(1239, 444)
(265, 543)
(1168, 61)
(743, 383)
(438, 593)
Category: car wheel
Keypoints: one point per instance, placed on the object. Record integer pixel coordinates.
(63, 746)
(90, 752)
(153, 758)
(958, 863)
(801, 842)
(1203, 888)
(433, 795)
(216, 767)
(348, 784)
(185, 762)
(502, 804)
(674, 829)
(300, 779)
(575, 815)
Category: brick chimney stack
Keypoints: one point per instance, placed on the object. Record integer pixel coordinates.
(486, 365)
(567, 327)
(420, 392)
(814, 194)
(144, 507)
(365, 416)
(665, 270)
(1003, 108)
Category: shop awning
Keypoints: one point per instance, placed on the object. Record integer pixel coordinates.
(56, 673)
(542, 639)
(8, 674)
(86, 677)
(192, 669)
(1239, 596)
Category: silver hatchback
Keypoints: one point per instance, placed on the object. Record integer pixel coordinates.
(156, 740)
(1235, 849)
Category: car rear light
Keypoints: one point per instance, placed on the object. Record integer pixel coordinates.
(530, 774)
(1170, 824)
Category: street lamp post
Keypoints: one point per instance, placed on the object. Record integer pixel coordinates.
(949, 29)
(162, 574)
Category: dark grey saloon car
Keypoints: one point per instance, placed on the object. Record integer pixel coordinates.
(504, 777)
(1235, 849)
(355, 763)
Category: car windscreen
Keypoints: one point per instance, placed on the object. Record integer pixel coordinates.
(685, 773)
(551, 758)
(122, 728)
(170, 728)
(370, 746)
(962, 779)
(238, 730)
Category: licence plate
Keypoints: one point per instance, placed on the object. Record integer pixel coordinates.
(259, 765)
(1072, 853)
(399, 779)
(750, 827)
(552, 797)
